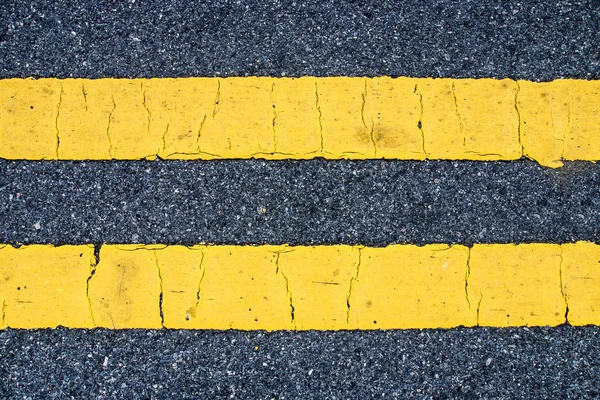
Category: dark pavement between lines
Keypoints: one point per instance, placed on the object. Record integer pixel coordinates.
(534, 40)
(528, 363)
(298, 202)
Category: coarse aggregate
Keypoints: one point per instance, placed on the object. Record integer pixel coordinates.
(373, 203)
(532, 363)
(534, 40)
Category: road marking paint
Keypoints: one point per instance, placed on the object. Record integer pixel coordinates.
(520, 285)
(300, 118)
(581, 282)
(45, 286)
(299, 287)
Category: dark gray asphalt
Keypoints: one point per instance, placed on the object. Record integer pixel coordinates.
(304, 202)
(461, 363)
(536, 40)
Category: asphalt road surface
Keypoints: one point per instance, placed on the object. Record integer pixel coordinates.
(536, 40)
(373, 203)
(459, 363)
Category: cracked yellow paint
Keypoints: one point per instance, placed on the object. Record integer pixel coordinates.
(44, 286)
(242, 289)
(560, 120)
(346, 133)
(299, 287)
(294, 102)
(125, 288)
(581, 280)
(393, 113)
(83, 120)
(179, 110)
(543, 121)
(470, 119)
(28, 115)
(318, 281)
(128, 123)
(516, 285)
(490, 117)
(240, 124)
(182, 271)
(300, 118)
(406, 286)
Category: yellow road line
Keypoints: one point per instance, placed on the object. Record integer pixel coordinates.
(285, 288)
(286, 118)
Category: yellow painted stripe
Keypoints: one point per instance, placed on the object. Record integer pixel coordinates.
(286, 288)
(286, 118)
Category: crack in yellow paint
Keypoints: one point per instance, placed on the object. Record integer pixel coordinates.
(60, 101)
(352, 280)
(110, 115)
(143, 90)
(467, 275)
(478, 310)
(84, 93)
(202, 269)
(287, 289)
(420, 123)
(217, 99)
(580, 282)
(318, 107)
(562, 134)
(44, 286)
(164, 139)
(562, 286)
(520, 135)
(460, 121)
(94, 260)
(274, 119)
(160, 297)
(199, 136)
(4, 314)
(521, 284)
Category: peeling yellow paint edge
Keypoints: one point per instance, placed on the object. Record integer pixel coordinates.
(299, 287)
(300, 118)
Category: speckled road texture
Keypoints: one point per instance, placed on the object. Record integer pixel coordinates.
(460, 363)
(536, 40)
(320, 204)
(371, 203)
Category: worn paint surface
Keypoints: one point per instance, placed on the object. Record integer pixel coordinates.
(406, 286)
(516, 285)
(318, 280)
(581, 282)
(44, 286)
(125, 289)
(300, 118)
(241, 289)
(299, 287)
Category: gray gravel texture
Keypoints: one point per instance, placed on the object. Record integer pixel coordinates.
(535, 40)
(298, 202)
(526, 363)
